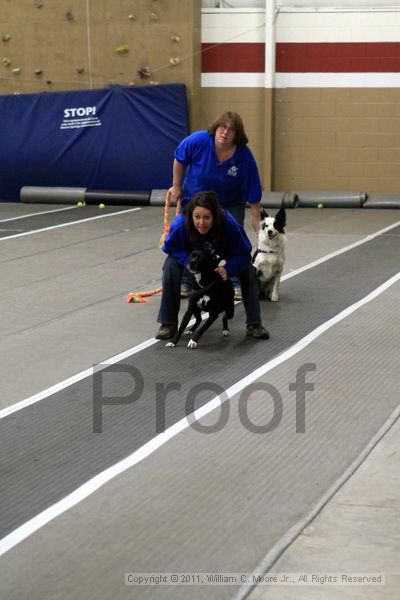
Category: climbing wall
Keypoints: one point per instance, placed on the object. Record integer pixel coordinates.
(54, 45)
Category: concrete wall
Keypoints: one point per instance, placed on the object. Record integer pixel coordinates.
(330, 120)
(335, 111)
(62, 38)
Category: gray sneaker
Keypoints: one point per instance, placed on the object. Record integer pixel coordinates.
(166, 331)
(257, 331)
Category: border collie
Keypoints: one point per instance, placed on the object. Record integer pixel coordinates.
(269, 257)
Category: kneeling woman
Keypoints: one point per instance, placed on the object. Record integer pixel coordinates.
(205, 222)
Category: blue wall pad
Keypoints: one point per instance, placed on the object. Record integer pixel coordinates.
(119, 138)
(332, 199)
(383, 201)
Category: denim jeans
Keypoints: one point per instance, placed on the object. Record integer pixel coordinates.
(171, 298)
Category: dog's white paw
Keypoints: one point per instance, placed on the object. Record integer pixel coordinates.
(192, 344)
(274, 298)
(226, 332)
(170, 345)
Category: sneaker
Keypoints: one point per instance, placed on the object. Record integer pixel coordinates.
(166, 331)
(257, 331)
(185, 291)
(238, 293)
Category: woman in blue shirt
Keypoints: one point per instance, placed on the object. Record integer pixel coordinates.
(219, 160)
(205, 222)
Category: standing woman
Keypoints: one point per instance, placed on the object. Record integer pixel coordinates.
(203, 223)
(219, 160)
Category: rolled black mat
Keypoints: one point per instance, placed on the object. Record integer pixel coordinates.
(158, 197)
(383, 201)
(117, 197)
(278, 199)
(331, 199)
(52, 195)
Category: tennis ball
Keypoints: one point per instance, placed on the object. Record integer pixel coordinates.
(102, 205)
(320, 205)
(79, 204)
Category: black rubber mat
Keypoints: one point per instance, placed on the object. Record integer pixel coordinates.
(50, 448)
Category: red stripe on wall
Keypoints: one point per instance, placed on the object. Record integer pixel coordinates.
(233, 58)
(353, 57)
(304, 57)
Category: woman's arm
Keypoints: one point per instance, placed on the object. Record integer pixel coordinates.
(178, 170)
(255, 216)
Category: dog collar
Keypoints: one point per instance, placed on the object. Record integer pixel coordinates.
(266, 251)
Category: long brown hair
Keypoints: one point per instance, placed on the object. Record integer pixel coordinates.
(241, 138)
(207, 200)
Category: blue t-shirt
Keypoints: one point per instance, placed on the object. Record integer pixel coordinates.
(235, 181)
(234, 246)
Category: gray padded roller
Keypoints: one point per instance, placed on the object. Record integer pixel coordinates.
(278, 199)
(52, 195)
(383, 201)
(157, 198)
(332, 199)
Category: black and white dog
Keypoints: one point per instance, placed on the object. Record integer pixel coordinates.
(211, 294)
(269, 257)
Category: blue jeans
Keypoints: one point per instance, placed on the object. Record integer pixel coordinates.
(237, 212)
(171, 297)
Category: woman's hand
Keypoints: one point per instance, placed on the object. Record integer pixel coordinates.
(176, 192)
(222, 271)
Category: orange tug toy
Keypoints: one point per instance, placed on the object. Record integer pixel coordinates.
(140, 297)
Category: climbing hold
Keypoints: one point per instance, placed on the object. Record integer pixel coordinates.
(174, 60)
(153, 16)
(49, 82)
(38, 71)
(38, 4)
(16, 71)
(144, 72)
(6, 62)
(69, 16)
(132, 17)
(153, 82)
(6, 37)
(122, 49)
(112, 83)
(80, 69)
(175, 38)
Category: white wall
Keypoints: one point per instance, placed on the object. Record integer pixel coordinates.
(301, 3)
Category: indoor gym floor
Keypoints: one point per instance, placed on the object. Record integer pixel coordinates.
(188, 501)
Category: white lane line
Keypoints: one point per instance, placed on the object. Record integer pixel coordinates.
(5, 412)
(88, 372)
(120, 212)
(44, 212)
(340, 251)
(91, 486)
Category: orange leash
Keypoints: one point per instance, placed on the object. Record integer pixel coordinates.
(140, 297)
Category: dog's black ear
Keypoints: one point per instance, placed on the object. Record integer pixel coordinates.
(263, 213)
(280, 220)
